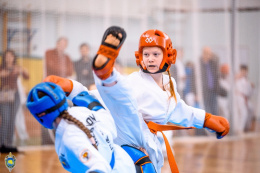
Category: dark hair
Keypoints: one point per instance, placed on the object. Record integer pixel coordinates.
(84, 44)
(243, 67)
(3, 64)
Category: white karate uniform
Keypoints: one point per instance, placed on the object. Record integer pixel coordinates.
(244, 91)
(136, 99)
(76, 152)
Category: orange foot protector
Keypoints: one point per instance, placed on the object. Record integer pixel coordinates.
(111, 44)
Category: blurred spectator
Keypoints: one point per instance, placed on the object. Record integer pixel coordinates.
(210, 79)
(83, 67)
(223, 98)
(178, 72)
(244, 90)
(57, 61)
(9, 100)
(189, 92)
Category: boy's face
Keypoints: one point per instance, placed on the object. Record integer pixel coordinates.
(152, 58)
(244, 72)
(84, 50)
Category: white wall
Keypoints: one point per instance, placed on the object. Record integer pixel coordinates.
(249, 34)
(86, 21)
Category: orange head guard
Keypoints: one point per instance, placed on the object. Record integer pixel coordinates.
(159, 39)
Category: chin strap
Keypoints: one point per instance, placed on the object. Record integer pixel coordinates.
(154, 128)
(159, 71)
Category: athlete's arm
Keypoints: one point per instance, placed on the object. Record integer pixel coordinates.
(71, 87)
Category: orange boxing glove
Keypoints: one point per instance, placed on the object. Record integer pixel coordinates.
(218, 124)
(65, 84)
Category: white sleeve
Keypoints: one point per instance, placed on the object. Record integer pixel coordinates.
(81, 154)
(77, 88)
(114, 77)
(185, 115)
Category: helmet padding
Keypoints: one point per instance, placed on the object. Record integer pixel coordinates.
(46, 101)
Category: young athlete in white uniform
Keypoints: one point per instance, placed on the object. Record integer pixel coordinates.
(144, 96)
(155, 93)
(84, 132)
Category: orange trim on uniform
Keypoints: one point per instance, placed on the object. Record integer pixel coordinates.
(145, 163)
(141, 158)
(141, 169)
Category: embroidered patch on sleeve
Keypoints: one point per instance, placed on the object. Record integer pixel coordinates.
(85, 155)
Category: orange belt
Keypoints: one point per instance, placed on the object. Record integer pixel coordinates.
(154, 127)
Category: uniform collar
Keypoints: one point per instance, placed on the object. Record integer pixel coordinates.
(150, 78)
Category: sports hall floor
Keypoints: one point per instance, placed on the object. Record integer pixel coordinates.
(193, 155)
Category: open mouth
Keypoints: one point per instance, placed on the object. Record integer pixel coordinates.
(151, 66)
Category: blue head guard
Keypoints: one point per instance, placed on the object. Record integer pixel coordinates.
(48, 107)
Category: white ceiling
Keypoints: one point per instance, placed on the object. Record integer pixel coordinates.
(134, 8)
